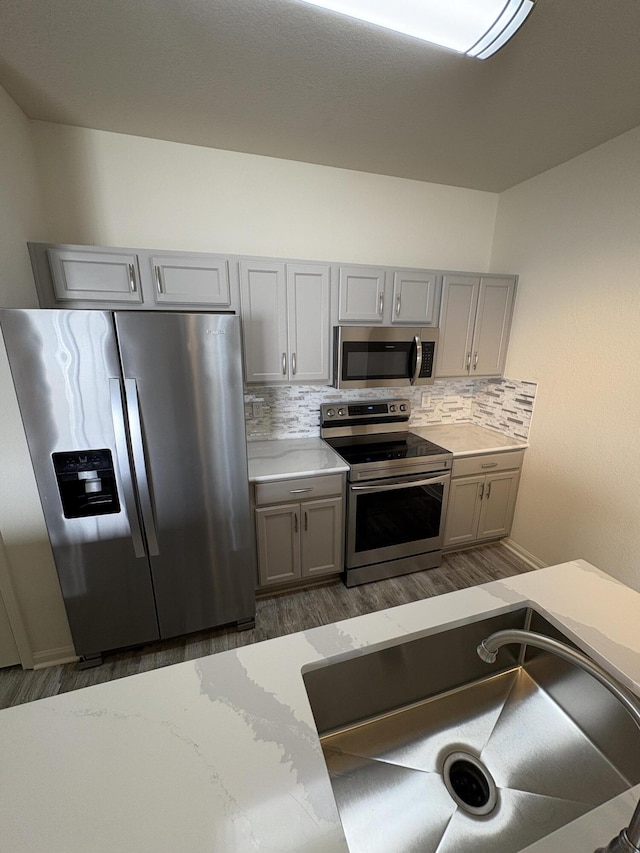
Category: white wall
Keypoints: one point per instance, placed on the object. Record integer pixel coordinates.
(573, 235)
(28, 584)
(119, 190)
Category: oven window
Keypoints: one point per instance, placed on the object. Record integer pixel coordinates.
(376, 360)
(388, 518)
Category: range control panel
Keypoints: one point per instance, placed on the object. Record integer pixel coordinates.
(365, 412)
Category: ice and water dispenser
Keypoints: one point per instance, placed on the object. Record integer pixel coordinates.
(86, 482)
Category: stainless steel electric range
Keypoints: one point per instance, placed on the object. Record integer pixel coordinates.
(397, 489)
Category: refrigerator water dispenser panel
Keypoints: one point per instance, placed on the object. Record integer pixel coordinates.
(86, 483)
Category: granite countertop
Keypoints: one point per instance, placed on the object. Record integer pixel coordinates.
(466, 439)
(292, 457)
(221, 753)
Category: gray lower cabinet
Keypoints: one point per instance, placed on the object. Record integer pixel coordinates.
(92, 276)
(286, 322)
(481, 504)
(475, 321)
(304, 538)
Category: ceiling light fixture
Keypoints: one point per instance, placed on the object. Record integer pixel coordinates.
(475, 27)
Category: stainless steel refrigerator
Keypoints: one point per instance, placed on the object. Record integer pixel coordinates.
(135, 425)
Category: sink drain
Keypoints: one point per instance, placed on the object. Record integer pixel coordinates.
(469, 783)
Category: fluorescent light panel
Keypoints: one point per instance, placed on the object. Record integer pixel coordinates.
(475, 27)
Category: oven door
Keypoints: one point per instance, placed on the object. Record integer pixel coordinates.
(400, 517)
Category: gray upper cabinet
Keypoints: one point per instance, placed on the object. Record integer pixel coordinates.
(69, 276)
(105, 275)
(308, 301)
(362, 295)
(416, 297)
(286, 322)
(475, 321)
(191, 280)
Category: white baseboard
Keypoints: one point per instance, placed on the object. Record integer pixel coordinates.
(524, 555)
(54, 657)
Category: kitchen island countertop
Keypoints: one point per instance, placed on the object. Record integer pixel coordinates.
(221, 753)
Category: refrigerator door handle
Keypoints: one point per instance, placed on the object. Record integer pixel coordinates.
(122, 453)
(140, 465)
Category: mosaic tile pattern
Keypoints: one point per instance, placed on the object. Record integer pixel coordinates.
(505, 405)
(293, 411)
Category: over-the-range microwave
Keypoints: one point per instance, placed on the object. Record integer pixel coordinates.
(383, 356)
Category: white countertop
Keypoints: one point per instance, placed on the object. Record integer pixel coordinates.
(469, 439)
(221, 753)
(292, 457)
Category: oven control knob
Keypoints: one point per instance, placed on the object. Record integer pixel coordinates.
(403, 408)
(341, 413)
(330, 413)
(392, 408)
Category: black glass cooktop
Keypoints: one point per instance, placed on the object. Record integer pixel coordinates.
(360, 449)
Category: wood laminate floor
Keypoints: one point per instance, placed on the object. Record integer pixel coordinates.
(275, 616)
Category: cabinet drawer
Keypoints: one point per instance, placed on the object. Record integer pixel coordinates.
(303, 488)
(487, 463)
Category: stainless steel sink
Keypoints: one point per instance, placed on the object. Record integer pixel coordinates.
(430, 749)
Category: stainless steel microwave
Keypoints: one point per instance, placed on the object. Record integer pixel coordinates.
(383, 356)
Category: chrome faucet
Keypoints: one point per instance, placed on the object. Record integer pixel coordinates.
(628, 841)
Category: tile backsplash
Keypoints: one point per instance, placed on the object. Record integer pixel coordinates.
(293, 411)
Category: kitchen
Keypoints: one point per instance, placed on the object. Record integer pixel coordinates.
(569, 233)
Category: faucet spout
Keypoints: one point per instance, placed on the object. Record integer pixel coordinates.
(628, 841)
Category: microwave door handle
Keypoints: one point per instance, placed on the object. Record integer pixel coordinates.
(405, 484)
(416, 372)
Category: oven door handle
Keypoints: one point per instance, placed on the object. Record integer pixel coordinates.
(417, 368)
(402, 484)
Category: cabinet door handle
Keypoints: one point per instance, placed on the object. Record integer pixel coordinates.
(488, 491)
(489, 464)
(380, 302)
(481, 490)
(156, 270)
(295, 522)
(306, 522)
(468, 361)
(475, 361)
(397, 305)
(284, 364)
(132, 278)
(293, 363)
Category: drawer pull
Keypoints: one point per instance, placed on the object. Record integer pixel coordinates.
(489, 464)
(299, 491)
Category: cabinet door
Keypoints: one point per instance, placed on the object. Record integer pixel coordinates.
(415, 298)
(493, 324)
(457, 319)
(100, 275)
(278, 534)
(322, 537)
(197, 280)
(361, 294)
(463, 510)
(498, 504)
(309, 323)
(263, 293)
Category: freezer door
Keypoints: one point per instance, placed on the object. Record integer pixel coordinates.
(183, 380)
(66, 372)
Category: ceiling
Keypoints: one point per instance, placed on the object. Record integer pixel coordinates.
(286, 79)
